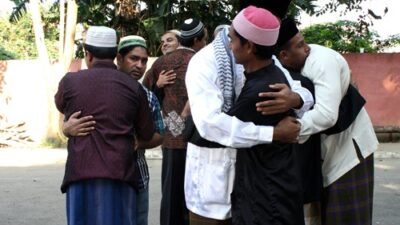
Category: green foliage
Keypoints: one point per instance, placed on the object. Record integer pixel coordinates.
(58, 142)
(164, 15)
(18, 38)
(6, 55)
(19, 10)
(151, 18)
(346, 36)
(307, 5)
(393, 40)
(96, 12)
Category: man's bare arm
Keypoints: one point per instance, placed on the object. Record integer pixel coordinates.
(155, 141)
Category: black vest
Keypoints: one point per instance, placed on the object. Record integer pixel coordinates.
(349, 108)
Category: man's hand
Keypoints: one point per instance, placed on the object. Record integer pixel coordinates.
(75, 126)
(165, 78)
(282, 100)
(287, 130)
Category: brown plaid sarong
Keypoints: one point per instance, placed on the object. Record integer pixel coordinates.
(199, 220)
(348, 201)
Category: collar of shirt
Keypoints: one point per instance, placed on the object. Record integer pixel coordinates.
(104, 64)
(183, 47)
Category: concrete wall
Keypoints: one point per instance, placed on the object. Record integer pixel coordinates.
(378, 79)
(23, 101)
(23, 93)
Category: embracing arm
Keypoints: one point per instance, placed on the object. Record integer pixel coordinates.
(151, 77)
(331, 78)
(285, 98)
(165, 78)
(76, 126)
(158, 136)
(155, 141)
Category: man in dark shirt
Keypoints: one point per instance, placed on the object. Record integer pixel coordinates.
(308, 154)
(266, 187)
(100, 175)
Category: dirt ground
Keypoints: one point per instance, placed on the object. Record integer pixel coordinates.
(30, 187)
(30, 182)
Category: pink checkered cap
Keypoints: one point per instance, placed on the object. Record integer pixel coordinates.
(257, 25)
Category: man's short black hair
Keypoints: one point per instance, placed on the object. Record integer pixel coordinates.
(101, 52)
(287, 31)
(262, 52)
(279, 48)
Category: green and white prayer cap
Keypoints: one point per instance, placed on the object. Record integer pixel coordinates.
(132, 40)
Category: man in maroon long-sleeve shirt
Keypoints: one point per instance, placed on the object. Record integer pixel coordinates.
(100, 176)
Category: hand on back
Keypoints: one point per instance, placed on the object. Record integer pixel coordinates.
(76, 126)
(166, 78)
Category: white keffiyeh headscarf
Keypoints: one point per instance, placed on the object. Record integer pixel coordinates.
(225, 67)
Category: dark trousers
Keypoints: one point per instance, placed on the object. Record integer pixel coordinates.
(173, 206)
(200, 220)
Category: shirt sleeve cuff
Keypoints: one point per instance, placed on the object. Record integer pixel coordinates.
(266, 134)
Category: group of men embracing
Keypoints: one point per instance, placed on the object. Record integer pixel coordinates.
(257, 127)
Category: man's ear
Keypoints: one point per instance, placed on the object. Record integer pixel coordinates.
(89, 56)
(89, 59)
(196, 40)
(250, 47)
(120, 59)
(282, 55)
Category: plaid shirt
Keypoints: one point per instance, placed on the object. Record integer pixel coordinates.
(159, 125)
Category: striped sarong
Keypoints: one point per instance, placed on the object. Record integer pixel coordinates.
(101, 202)
(348, 201)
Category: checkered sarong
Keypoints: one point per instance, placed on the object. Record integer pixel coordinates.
(348, 201)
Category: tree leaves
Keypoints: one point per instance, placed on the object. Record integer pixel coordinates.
(151, 18)
(347, 36)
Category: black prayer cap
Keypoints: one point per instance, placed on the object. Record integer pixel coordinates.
(191, 28)
(287, 31)
(277, 7)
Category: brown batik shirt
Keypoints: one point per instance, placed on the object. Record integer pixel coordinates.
(173, 97)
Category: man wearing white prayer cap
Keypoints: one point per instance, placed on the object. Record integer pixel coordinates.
(101, 178)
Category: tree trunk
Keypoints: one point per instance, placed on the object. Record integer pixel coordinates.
(72, 15)
(52, 128)
(68, 46)
(62, 32)
(38, 28)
